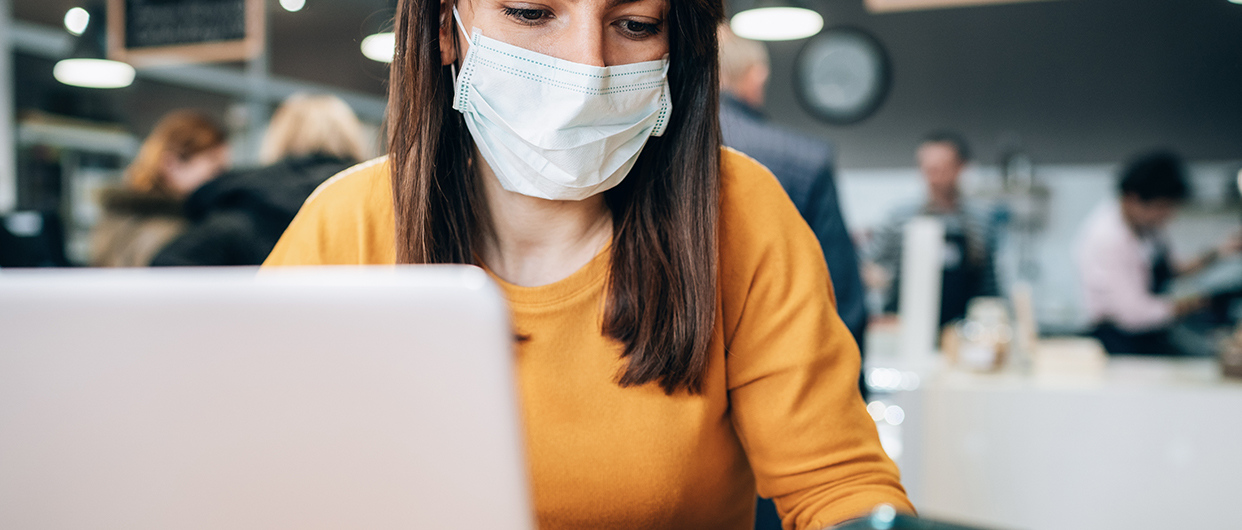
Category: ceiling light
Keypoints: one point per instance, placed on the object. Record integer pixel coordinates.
(87, 66)
(76, 20)
(293, 5)
(380, 47)
(94, 73)
(776, 23)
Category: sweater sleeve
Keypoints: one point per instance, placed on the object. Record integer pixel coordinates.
(792, 364)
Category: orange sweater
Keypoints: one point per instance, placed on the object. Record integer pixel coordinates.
(779, 410)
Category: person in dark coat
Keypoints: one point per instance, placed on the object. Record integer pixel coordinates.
(237, 218)
(803, 165)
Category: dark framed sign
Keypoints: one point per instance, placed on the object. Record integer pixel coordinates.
(168, 32)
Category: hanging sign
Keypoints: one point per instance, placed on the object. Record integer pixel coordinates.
(169, 32)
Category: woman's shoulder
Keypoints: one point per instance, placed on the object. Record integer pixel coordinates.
(347, 220)
(761, 233)
(354, 186)
(739, 173)
(755, 210)
(771, 264)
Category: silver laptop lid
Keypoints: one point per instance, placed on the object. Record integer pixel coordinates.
(302, 399)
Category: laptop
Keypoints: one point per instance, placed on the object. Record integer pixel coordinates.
(302, 399)
(884, 517)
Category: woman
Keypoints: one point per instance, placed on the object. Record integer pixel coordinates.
(680, 346)
(186, 149)
(236, 219)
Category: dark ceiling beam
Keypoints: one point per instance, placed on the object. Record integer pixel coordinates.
(55, 43)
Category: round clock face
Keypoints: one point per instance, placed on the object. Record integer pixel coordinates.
(842, 76)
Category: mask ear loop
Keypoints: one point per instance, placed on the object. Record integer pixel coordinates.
(457, 20)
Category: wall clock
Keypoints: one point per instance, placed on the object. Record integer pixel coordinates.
(842, 75)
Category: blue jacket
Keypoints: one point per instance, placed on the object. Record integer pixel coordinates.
(804, 166)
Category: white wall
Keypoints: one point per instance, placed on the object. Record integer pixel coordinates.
(867, 195)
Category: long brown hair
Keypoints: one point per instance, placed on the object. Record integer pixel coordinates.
(183, 133)
(662, 284)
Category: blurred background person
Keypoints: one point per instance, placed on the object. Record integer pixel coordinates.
(237, 218)
(803, 164)
(970, 235)
(185, 150)
(1125, 262)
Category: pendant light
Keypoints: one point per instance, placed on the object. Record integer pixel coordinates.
(76, 21)
(87, 66)
(380, 46)
(773, 20)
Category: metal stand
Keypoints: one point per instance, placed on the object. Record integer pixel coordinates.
(257, 110)
(8, 152)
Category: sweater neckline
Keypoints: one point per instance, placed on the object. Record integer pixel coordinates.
(589, 276)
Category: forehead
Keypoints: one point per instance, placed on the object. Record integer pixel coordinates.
(1160, 203)
(938, 150)
(614, 3)
(597, 4)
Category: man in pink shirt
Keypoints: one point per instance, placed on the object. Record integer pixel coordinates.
(1124, 260)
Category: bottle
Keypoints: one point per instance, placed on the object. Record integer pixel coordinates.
(984, 337)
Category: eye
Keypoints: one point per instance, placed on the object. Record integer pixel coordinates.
(527, 16)
(638, 30)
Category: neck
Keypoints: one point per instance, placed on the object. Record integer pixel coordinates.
(535, 241)
(749, 99)
(944, 201)
(1127, 215)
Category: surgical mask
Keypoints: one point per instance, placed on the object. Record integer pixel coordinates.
(555, 129)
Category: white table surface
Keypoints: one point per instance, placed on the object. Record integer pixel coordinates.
(1151, 443)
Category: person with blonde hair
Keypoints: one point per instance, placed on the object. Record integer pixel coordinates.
(237, 218)
(306, 125)
(185, 150)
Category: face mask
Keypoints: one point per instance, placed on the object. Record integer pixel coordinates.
(554, 129)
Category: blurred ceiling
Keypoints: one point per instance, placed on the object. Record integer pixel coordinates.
(319, 43)
(1070, 82)
(1082, 81)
